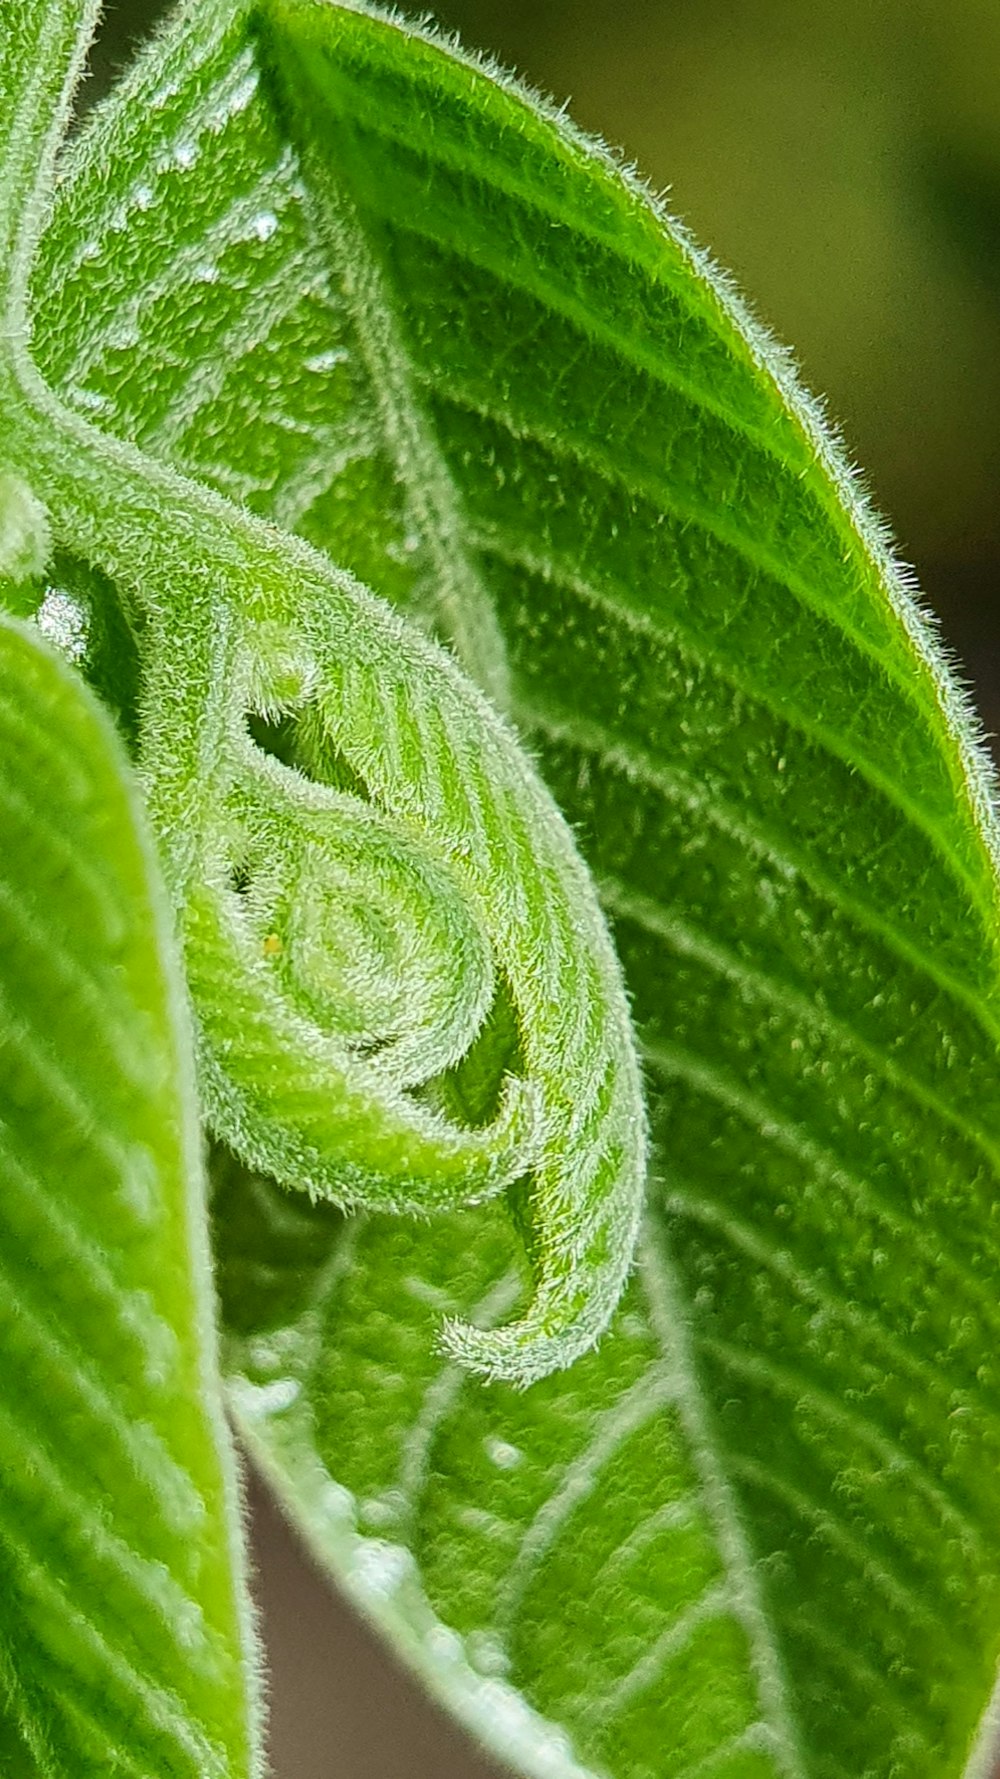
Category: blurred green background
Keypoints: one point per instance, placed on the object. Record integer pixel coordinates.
(842, 158)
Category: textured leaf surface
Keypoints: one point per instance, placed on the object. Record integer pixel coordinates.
(123, 1623)
(354, 281)
(405, 994)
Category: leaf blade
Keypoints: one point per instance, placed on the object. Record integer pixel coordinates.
(124, 1630)
(490, 1494)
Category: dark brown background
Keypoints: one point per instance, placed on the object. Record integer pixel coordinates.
(843, 159)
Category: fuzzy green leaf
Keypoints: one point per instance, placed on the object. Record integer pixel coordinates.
(124, 1637)
(405, 993)
(379, 294)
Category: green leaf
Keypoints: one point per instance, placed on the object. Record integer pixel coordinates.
(125, 1642)
(405, 992)
(376, 292)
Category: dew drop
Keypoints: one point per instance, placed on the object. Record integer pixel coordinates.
(378, 1514)
(91, 399)
(336, 1505)
(326, 361)
(380, 1567)
(445, 1645)
(262, 1401)
(487, 1654)
(501, 1453)
(241, 95)
(164, 94)
(264, 225)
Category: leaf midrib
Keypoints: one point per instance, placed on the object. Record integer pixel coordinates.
(590, 324)
(432, 495)
(664, 1302)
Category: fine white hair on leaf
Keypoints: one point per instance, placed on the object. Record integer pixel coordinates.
(406, 995)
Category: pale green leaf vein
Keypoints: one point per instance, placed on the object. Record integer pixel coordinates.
(677, 1062)
(556, 722)
(800, 1387)
(687, 940)
(653, 1391)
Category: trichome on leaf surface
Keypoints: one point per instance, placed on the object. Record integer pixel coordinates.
(395, 475)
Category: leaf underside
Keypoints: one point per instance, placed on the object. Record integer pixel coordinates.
(355, 281)
(122, 1623)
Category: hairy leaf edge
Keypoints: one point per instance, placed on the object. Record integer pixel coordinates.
(195, 1205)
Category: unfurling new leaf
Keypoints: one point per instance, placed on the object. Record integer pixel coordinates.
(405, 846)
(357, 913)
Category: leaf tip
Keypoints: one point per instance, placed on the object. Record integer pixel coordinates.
(576, 1294)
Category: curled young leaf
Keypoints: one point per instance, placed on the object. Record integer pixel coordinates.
(370, 878)
(355, 915)
(368, 875)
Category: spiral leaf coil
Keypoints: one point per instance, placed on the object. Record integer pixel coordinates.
(378, 901)
(373, 867)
